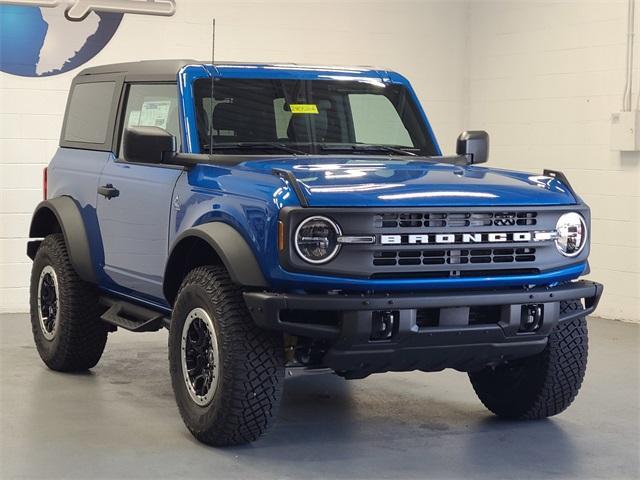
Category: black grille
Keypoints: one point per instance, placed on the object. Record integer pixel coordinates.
(390, 258)
(451, 220)
(437, 242)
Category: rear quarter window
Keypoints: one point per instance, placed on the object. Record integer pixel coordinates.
(89, 113)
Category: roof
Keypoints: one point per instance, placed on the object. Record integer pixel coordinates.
(167, 69)
(145, 68)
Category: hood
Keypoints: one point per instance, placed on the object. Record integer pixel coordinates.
(397, 181)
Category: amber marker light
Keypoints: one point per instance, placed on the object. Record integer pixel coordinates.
(45, 183)
(280, 236)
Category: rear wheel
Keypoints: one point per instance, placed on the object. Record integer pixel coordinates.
(542, 385)
(65, 319)
(226, 373)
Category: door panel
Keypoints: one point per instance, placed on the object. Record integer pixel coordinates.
(135, 225)
(134, 200)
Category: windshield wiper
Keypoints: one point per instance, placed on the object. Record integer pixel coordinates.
(365, 147)
(255, 146)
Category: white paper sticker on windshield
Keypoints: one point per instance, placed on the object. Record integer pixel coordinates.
(155, 113)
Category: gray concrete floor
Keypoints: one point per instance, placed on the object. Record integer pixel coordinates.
(120, 421)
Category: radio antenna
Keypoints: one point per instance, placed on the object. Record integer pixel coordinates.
(213, 70)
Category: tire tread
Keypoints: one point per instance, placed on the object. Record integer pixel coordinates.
(255, 357)
(556, 374)
(81, 335)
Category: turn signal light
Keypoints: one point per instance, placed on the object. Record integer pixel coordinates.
(44, 183)
(280, 236)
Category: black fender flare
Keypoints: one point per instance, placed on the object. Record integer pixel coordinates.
(66, 212)
(229, 245)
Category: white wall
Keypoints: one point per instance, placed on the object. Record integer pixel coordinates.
(414, 38)
(544, 78)
(541, 77)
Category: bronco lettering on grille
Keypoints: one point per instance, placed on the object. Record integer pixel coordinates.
(449, 238)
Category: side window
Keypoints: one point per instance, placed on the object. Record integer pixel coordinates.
(88, 114)
(375, 120)
(153, 105)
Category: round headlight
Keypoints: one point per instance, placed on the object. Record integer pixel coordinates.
(572, 234)
(316, 239)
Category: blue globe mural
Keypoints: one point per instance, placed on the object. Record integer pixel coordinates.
(39, 41)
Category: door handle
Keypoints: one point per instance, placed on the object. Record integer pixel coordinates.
(108, 191)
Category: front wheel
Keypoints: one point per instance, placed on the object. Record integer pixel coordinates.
(226, 373)
(544, 384)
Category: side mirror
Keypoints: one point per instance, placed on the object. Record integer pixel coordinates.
(474, 145)
(148, 145)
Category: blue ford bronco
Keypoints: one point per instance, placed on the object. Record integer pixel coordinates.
(286, 216)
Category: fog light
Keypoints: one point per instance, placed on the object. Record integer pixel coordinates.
(383, 325)
(531, 318)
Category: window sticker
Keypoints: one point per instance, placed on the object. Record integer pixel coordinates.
(305, 108)
(134, 118)
(155, 113)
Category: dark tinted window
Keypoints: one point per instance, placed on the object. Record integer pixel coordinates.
(153, 105)
(89, 111)
(311, 116)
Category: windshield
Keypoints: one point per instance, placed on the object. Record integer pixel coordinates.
(309, 117)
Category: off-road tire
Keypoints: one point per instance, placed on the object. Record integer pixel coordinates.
(542, 385)
(80, 337)
(251, 370)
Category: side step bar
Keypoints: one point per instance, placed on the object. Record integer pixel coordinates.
(130, 316)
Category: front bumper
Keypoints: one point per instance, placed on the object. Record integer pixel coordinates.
(458, 333)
